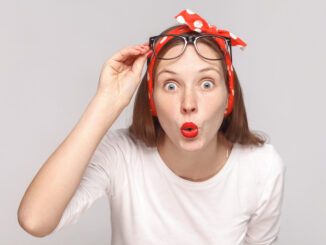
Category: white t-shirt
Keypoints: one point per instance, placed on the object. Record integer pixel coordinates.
(151, 205)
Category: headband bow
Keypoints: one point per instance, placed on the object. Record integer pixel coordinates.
(193, 22)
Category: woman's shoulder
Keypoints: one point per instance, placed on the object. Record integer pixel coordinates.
(264, 159)
(267, 149)
(119, 135)
(122, 138)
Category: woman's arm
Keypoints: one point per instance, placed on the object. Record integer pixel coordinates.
(56, 182)
(264, 225)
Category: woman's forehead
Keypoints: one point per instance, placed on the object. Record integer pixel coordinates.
(203, 48)
(190, 60)
(171, 70)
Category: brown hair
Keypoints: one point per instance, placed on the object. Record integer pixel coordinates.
(234, 126)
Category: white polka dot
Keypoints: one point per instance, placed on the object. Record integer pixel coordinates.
(231, 68)
(197, 30)
(198, 24)
(233, 36)
(189, 11)
(149, 96)
(227, 68)
(181, 20)
(163, 39)
(147, 76)
(233, 92)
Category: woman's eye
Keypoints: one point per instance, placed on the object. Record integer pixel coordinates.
(169, 86)
(207, 84)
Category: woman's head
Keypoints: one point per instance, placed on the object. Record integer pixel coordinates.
(190, 88)
(188, 94)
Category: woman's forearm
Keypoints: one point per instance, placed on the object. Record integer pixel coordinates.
(56, 182)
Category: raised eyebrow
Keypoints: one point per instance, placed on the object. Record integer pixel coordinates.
(210, 69)
(166, 71)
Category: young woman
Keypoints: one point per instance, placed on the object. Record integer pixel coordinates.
(187, 171)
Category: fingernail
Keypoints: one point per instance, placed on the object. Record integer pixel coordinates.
(142, 47)
(150, 54)
(138, 49)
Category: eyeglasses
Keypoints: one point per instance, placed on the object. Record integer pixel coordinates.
(203, 46)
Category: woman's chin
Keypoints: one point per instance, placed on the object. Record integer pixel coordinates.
(190, 145)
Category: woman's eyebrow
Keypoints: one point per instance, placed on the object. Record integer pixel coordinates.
(201, 70)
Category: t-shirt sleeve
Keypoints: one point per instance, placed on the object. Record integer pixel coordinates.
(264, 224)
(97, 179)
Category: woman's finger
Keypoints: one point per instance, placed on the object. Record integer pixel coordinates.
(125, 53)
(140, 62)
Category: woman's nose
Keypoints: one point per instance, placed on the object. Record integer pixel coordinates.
(189, 103)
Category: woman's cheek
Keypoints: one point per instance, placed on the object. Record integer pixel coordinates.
(166, 105)
(216, 106)
(163, 101)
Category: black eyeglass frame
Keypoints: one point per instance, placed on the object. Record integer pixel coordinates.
(193, 40)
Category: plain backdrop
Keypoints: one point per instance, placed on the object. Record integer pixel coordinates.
(51, 55)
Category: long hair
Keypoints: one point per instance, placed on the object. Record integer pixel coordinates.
(234, 127)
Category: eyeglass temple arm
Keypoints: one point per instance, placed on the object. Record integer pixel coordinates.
(150, 45)
(230, 47)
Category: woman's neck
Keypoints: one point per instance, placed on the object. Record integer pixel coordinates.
(196, 166)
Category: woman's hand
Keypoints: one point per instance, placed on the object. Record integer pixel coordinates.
(121, 74)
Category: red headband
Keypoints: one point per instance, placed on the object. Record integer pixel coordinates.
(194, 22)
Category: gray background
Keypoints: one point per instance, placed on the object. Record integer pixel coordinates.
(51, 57)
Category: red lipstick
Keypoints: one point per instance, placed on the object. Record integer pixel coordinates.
(189, 130)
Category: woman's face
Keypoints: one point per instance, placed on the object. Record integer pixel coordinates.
(190, 89)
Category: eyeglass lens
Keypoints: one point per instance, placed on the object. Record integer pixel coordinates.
(206, 46)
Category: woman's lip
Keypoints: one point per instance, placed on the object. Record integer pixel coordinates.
(189, 125)
(190, 134)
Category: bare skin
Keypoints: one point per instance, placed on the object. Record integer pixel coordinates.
(213, 163)
(179, 96)
(54, 185)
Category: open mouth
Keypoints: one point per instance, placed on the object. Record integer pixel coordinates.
(189, 126)
(189, 129)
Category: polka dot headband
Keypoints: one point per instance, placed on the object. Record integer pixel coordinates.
(193, 22)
